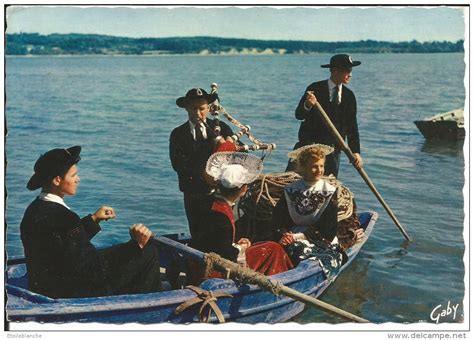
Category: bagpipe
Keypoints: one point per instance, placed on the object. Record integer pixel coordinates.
(234, 142)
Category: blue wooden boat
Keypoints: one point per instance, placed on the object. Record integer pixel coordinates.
(248, 304)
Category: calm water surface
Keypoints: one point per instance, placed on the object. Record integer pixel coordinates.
(121, 110)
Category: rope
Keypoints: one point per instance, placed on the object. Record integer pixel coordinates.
(208, 266)
(207, 299)
(267, 190)
(247, 275)
(242, 274)
(264, 194)
(260, 193)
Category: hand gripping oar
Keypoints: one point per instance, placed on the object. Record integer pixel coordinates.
(361, 171)
(215, 262)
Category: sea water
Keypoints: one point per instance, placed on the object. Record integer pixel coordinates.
(121, 110)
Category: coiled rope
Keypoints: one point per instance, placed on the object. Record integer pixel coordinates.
(207, 299)
(264, 194)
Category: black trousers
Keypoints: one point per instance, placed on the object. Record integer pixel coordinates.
(331, 166)
(197, 207)
(132, 274)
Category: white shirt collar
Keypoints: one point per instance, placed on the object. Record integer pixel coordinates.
(49, 197)
(193, 132)
(192, 125)
(332, 85)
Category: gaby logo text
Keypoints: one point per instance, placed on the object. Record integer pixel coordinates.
(438, 313)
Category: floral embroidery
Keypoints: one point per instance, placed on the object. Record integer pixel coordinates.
(307, 202)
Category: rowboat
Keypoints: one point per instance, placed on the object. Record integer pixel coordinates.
(447, 125)
(248, 303)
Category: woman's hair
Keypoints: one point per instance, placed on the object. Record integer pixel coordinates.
(306, 155)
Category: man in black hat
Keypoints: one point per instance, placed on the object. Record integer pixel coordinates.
(60, 259)
(191, 144)
(339, 102)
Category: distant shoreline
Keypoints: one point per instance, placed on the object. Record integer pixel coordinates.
(196, 55)
(92, 44)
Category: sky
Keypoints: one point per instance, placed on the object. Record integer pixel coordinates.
(269, 22)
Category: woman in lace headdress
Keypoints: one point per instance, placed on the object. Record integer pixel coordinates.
(233, 171)
(308, 209)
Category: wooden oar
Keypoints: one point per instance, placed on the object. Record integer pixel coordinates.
(249, 276)
(361, 171)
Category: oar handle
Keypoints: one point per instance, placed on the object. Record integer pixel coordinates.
(344, 147)
(361, 171)
(295, 295)
(248, 275)
(372, 187)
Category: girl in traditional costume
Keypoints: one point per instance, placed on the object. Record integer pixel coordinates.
(233, 171)
(308, 209)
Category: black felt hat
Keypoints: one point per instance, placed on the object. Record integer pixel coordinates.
(341, 61)
(196, 93)
(53, 163)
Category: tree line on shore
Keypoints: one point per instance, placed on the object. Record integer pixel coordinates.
(60, 44)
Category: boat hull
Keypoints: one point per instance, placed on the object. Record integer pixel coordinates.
(447, 125)
(249, 303)
(440, 129)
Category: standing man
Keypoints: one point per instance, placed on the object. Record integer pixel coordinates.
(191, 144)
(340, 104)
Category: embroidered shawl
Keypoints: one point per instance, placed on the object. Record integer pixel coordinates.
(307, 202)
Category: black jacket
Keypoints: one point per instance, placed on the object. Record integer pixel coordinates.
(344, 117)
(60, 259)
(217, 237)
(189, 157)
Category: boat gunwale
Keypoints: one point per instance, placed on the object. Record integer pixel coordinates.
(451, 114)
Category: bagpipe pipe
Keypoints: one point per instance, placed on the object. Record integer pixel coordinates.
(234, 142)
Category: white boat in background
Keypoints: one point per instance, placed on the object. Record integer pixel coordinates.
(448, 125)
